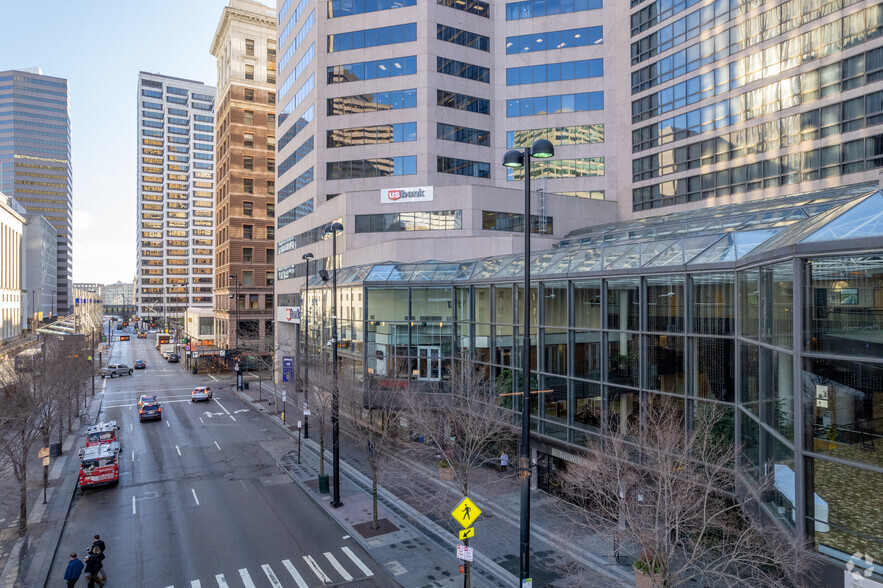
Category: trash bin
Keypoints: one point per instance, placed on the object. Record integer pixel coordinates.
(245, 385)
(195, 370)
(323, 483)
(54, 449)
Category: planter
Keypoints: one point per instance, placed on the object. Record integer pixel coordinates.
(446, 474)
(643, 579)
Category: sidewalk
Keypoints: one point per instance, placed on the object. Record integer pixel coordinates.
(414, 504)
(25, 561)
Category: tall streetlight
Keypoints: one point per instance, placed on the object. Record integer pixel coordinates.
(306, 360)
(332, 230)
(541, 149)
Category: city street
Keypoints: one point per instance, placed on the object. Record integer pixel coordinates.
(201, 500)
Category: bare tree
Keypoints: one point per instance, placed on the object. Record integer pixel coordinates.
(370, 418)
(21, 417)
(319, 404)
(668, 492)
(466, 425)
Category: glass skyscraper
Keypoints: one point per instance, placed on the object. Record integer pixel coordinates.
(35, 160)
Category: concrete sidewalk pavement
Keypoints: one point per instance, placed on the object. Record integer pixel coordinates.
(420, 552)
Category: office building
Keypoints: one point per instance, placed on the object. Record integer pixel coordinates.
(40, 240)
(245, 47)
(35, 159)
(13, 309)
(176, 174)
(118, 294)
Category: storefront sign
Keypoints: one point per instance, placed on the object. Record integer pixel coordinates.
(288, 314)
(399, 195)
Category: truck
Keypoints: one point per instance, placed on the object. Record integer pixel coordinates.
(98, 467)
(166, 348)
(103, 434)
(162, 339)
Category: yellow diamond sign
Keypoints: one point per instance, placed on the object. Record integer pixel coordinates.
(465, 513)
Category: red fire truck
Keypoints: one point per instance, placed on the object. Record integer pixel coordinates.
(98, 466)
(103, 434)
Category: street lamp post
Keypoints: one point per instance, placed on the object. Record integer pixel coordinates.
(516, 159)
(332, 230)
(306, 359)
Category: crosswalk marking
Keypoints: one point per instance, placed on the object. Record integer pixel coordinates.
(316, 569)
(246, 579)
(365, 569)
(297, 577)
(195, 584)
(338, 567)
(271, 575)
(222, 583)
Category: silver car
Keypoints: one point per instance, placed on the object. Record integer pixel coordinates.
(113, 370)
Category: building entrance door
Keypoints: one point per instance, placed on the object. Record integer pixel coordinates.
(429, 362)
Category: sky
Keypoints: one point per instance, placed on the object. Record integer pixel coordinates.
(100, 46)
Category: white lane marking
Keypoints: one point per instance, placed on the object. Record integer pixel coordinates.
(169, 424)
(244, 486)
(365, 569)
(133, 456)
(297, 577)
(212, 377)
(246, 578)
(218, 446)
(133, 505)
(194, 496)
(179, 450)
(224, 409)
(240, 410)
(195, 584)
(201, 421)
(271, 575)
(316, 569)
(222, 583)
(338, 567)
(130, 427)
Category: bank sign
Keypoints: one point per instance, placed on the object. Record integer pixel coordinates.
(288, 314)
(400, 195)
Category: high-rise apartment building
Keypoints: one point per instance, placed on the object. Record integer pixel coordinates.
(35, 162)
(245, 197)
(176, 174)
(13, 302)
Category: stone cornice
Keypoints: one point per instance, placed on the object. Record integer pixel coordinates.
(231, 14)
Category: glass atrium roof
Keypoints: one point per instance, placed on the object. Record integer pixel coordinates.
(722, 234)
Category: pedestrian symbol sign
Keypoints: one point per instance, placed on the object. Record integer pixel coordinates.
(465, 513)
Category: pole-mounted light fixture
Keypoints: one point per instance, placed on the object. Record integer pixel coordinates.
(332, 230)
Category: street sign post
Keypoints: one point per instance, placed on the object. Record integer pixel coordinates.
(466, 512)
(464, 553)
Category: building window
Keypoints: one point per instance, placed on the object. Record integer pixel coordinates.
(271, 210)
(248, 162)
(271, 143)
(462, 102)
(395, 133)
(464, 167)
(271, 97)
(375, 102)
(463, 134)
(268, 301)
(271, 54)
(464, 38)
(366, 39)
(271, 187)
(372, 168)
(554, 40)
(271, 120)
(249, 94)
(248, 117)
(514, 222)
(248, 140)
(463, 70)
(269, 278)
(248, 208)
(471, 6)
(249, 72)
(581, 102)
(338, 8)
(249, 47)
(271, 255)
(271, 232)
(369, 70)
(248, 278)
(436, 220)
(247, 255)
(247, 232)
(271, 165)
(248, 185)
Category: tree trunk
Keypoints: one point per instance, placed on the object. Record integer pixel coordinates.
(321, 451)
(23, 497)
(376, 524)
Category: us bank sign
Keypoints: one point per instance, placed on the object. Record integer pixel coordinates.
(400, 195)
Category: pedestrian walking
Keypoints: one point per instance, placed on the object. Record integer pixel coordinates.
(504, 462)
(74, 570)
(99, 543)
(93, 568)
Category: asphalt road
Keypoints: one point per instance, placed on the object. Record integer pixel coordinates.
(201, 501)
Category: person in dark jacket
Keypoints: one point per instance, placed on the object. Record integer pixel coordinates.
(99, 543)
(73, 571)
(93, 568)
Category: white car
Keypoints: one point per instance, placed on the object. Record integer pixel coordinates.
(201, 393)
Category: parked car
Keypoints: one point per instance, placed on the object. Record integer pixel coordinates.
(150, 411)
(113, 370)
(140, 364)
(201, 393)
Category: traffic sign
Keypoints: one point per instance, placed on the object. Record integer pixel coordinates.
(46, 461)
(466, 512)
(464, 553)
(467, 533)
(43, 453)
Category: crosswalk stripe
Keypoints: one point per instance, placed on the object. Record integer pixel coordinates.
(222, 582)
(365, 569)
(316, 569)
(338, 567)
(294, 574)
(246, 579)
(195, 584)
(271, 575)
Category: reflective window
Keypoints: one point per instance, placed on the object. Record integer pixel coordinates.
(575, 135)
(580, 102)
(297, 127)
(464, 167)
(464, 38)
(555, 72)
(298, 212)
(396, 133)
(463, 134)
(340, 8)
(547, 41)
(371, 168)
(370, 70)
(713, 304)
(301, 35)
(368, 38)
(476, 7)
(463, 102)
(409, 221)
(537, 8)
(514, 222)
(293, 186)
(376, 102)
(464, 70)
(561, 168)
(665, 361)
(665, 304)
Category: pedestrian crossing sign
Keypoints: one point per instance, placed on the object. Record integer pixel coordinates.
(466, 512)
